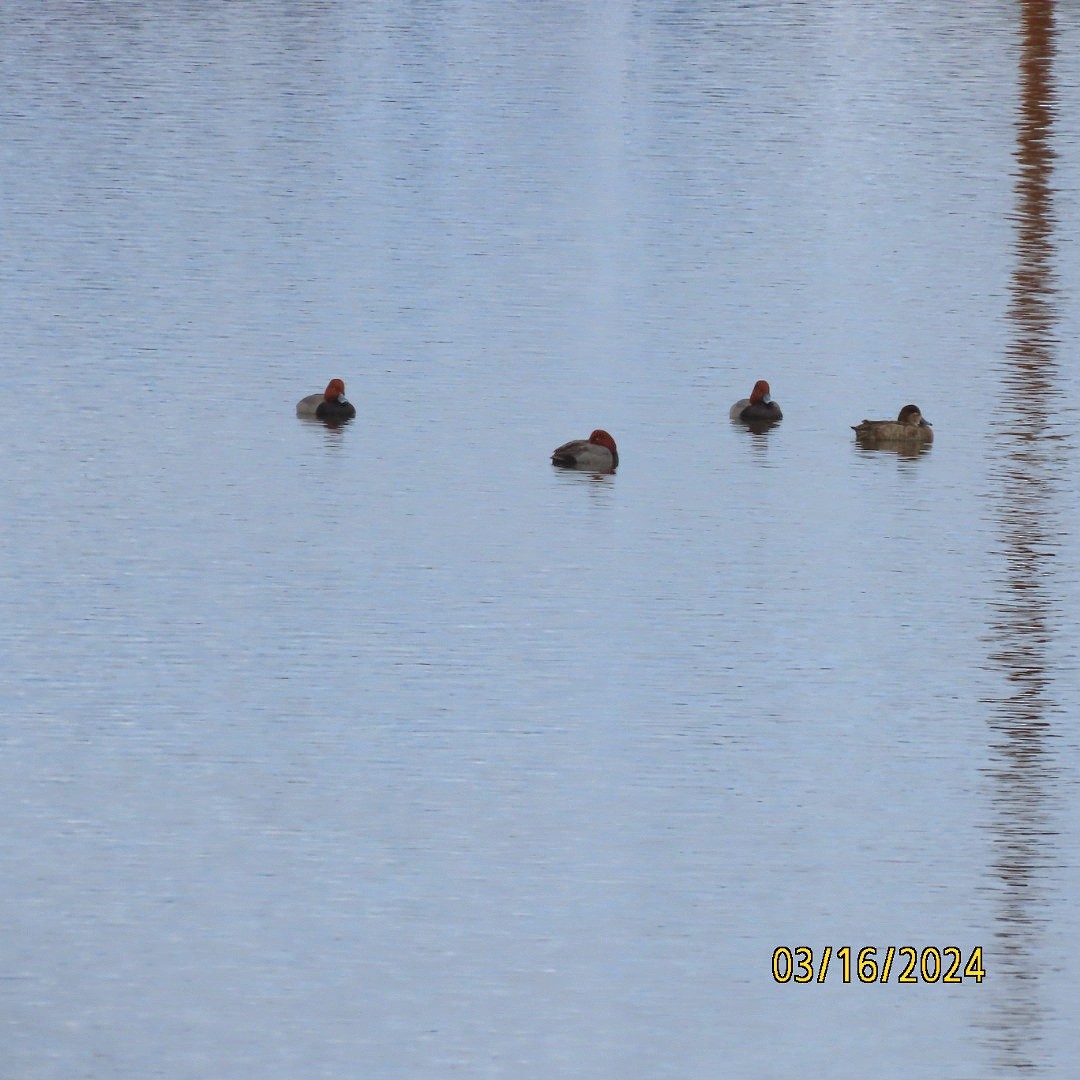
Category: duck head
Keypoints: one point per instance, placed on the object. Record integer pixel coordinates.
(335, 391)
(601, 438)
(760, 395)
(911, 416)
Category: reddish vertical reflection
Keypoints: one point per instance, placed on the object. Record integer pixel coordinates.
(1023, 767)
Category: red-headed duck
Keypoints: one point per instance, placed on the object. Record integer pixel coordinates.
(908, 429)
(758, 408)
(331, 404)
(597, 453)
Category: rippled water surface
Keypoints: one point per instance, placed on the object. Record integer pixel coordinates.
(388, 750)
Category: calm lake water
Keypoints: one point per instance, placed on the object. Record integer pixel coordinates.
(389, 750)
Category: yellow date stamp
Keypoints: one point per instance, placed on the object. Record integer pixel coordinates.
(871, 964)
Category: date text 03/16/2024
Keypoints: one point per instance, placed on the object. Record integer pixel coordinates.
(902, 964)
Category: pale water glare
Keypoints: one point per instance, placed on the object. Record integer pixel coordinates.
(391, 751)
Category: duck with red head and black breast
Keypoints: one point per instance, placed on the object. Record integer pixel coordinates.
(758, 408)
(331, 404)
(597, 453)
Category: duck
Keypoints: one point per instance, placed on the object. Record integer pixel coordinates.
(597, 453)
(331, 404)
(758, 407)
(908, 429)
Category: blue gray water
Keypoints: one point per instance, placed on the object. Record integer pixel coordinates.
(390, 751)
